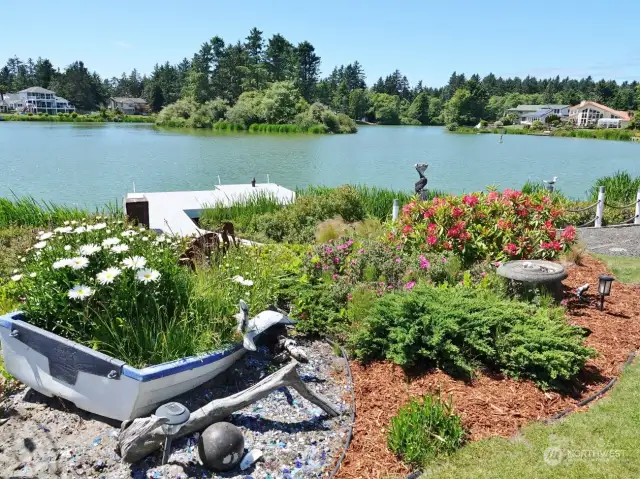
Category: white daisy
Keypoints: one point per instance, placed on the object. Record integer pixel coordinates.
(108, 275)
(22, 260)
(63, 263)
(110, 242)
(45, 236)
(67, 247)
(120, 248)
(80, 292)
(134, 262)
(128, 233)
(32, 275)
(40, 245)
(80, 229)
(16, 277)
(108, 231)
(66, 223)
(247, 282)
(79, 262)
(88, 227)
(88, 249)
(99, 226)
(160, 239)
(237, 279)
(142, 228)
(147, 275)
(74, 222)
(65, 229)
(145, 238)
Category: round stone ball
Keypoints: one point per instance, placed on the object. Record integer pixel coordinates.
(221, 446)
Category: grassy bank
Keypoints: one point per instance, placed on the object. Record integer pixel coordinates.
(79, 118)
(225, 126)
(624, 268)
(599, 134)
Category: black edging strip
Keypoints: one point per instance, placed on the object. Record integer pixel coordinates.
(561, 414)
(353, 409)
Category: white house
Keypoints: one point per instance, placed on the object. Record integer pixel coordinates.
(11, 102)
(128, 106)
(36, 100)
(522, 111)
(589, 113)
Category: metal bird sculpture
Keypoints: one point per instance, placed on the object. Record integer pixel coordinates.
(250, 328)
(422, 182)
(581, 290)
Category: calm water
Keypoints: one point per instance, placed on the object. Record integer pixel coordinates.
(92, 164)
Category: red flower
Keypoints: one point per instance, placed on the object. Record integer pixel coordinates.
(511, 249)
(522, 212)
(505, 225)
(453, 232)
(432, 229)
(470, 200)
(569, 234)
(407, 229)
(432, 240)
(408, 208)
(429, 213)
(446, 245)
(464, 236)
(492, 196)
(512, 194)
(554, 245)
(456, 212)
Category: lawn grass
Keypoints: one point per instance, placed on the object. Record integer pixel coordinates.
(624, 268)
(599, 443)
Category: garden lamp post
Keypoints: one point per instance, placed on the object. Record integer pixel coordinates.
(177, 415)
(604, 288)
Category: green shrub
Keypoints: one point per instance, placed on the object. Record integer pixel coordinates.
(620, 188)
(425, 429)
(484, 123)
(460, 328)
(452, 126)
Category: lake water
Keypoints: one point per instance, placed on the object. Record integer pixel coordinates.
(91, 164)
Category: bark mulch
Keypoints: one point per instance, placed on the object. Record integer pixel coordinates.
(493, 405)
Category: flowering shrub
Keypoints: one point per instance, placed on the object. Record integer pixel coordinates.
(486, 226)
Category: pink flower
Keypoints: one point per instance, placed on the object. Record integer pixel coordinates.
(432, 240)
(336, 260)
(456, 212)
(361, 250)
(511, 249)
(389, 287)
(398, 260)
(407, 229)
(492, 196)
(349, 297)
(334, 276)
(424, 262)
(564, 302)
(483, 274)
(444, 260)
(325, 267)
(329, 249)
(410, 285)
(569, 233)
(353, 261)
(470, 200)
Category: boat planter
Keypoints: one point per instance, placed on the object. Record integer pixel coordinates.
(95, 382)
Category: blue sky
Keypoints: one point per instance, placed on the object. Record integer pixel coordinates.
(425, 40)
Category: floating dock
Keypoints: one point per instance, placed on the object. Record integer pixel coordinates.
(174, 212)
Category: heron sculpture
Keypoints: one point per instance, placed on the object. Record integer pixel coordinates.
(422, 182)
(250, 328)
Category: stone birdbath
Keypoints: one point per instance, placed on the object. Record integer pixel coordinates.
(534, 273)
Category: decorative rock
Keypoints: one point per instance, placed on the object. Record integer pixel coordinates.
(253, 456)
(221, 446)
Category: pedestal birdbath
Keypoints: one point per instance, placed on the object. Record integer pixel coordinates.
(535, 272)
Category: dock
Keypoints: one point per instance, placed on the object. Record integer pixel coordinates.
(174, 212)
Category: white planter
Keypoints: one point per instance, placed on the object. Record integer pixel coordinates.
(98, 383)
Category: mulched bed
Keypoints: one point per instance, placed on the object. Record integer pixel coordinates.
(493, 405)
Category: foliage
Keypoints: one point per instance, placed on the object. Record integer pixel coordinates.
(537, 125)
(452, 126)
(620, 188)
(486, 226)
(425, 429)
(75, 118)
(13, 243)
(460, 328)
(466, 107)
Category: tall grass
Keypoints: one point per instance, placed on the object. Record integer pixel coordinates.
(241, 211)
(26, 211)
(620, 188)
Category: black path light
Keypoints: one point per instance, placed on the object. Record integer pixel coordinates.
(604, 288)
(177, 415)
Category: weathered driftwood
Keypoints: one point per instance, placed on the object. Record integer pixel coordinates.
(140, 437)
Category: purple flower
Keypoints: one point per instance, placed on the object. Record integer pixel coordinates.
(398, 260)
(389, 287)
(361, 250)
(353, 261)
(325, 267)
(410, 285)
(424, 262)
(350, 242)
(334, 276)
(398, 247)
(444, 260)
(336, 260)
(329, 249)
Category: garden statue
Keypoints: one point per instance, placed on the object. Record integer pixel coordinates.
(422, 182)
(250, 328)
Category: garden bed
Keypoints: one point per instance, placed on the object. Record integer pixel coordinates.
(493, 405)
(45, 437)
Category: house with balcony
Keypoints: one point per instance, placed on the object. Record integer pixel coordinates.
(522, 111)
(128, 106)
(35, 100)
(589, 113)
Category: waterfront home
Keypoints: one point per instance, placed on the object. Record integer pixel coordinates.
(589, 113)
(11, 102)
(523, 110)
(539, 115)
(40, 100)
(128, 106)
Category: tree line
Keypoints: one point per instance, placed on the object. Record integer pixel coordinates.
(224, 71)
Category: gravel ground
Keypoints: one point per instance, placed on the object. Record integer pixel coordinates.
(46, 437)
(614, 241)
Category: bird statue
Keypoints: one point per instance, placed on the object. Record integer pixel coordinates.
(581, 290)
(422, 182)
(250, 328)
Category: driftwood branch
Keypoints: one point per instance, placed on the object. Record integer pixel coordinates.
(140, 437)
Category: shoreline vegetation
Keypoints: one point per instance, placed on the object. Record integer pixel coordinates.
(101, 117)
(596, 134)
